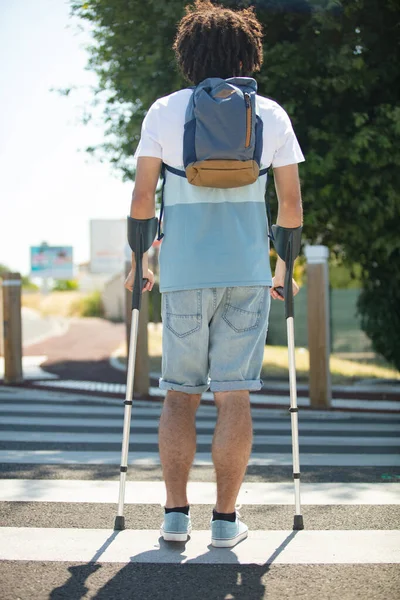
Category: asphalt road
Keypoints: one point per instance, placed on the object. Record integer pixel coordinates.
(58, 503)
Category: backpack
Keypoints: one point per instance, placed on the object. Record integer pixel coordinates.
(223, 136)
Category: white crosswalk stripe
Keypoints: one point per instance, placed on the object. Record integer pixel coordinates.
(316, 547)
(151, 459)
(350, 463)
(153, 492)
(276, 400)
(152, 438)
(260, 426)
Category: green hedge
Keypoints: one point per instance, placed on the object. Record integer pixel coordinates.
(89, 306)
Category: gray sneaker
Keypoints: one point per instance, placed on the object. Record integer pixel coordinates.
(176, 527)
(225, 534)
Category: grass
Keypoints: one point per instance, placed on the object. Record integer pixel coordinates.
(343, 370)
(55, 303)
(275, 363)
(65, 304)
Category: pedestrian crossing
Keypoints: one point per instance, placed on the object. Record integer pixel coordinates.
(60, 456)
(262, 399)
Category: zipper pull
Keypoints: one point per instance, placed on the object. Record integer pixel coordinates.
(247, 99)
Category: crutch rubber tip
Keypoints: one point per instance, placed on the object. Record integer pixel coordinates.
(119, 524)
(298, 522)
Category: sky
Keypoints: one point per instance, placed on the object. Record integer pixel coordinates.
(50, 187)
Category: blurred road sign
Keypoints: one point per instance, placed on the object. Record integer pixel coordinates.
(52, 261)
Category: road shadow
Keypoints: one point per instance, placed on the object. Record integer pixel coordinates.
(84, 370)
(75, 586)
(163, 573)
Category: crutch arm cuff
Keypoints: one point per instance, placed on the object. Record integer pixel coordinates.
(141, 233)
(285, 236)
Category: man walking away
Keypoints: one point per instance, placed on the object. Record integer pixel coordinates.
(215, 276)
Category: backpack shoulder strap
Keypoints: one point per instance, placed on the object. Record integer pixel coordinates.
(175, 171)
(159, 234)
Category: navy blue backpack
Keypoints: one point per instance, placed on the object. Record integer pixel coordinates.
(223, 136)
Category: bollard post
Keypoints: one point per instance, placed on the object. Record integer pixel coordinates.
(318, 326)
(12, 325)
(141, 378)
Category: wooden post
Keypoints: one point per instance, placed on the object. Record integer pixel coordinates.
(12, 328)
(142, 366)
(318, 326)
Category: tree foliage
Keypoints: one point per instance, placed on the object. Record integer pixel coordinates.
(332, 65)
(379, 306)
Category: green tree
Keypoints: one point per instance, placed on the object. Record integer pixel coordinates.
(333, 66)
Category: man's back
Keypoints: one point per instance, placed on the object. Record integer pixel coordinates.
(214, 237)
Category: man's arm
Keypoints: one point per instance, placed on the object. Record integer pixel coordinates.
(290, 214)
(143, 206)
(287, 185)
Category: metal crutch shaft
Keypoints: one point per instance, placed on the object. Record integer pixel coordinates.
(120, 519)
(298, 518)
(288, 246)
(141, 234)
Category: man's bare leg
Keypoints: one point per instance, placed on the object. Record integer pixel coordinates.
(177, 444)
(231, 447)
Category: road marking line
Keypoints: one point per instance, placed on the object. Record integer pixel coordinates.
(153, 492)
(85, 410)
(63, 457)
(266, 425)
(152, 438)
(144, 546)
(62, 401)
(255, 399)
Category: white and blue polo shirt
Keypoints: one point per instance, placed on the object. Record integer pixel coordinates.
(214, 237)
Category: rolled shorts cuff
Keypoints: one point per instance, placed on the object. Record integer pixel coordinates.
(187, 389)
(252, 385)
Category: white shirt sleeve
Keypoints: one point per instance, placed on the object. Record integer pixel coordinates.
(149, 144)
(288, 151)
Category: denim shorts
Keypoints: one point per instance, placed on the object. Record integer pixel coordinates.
(214, 337)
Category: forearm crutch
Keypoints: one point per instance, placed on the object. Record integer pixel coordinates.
(141, 234)
(287, 244)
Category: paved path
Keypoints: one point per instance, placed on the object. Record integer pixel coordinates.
(83, 352)
(59, 455)
(36, 328)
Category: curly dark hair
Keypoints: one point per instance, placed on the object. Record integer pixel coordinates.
(214, 41)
